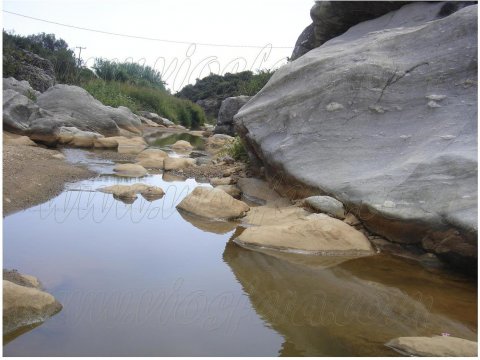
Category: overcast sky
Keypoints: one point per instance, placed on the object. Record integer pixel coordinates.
(247, 22)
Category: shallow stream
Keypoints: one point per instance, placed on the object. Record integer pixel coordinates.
(145, 280)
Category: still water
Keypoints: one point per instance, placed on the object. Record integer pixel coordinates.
(145, 280)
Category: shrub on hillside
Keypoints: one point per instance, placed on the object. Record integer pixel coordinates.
(116, 93)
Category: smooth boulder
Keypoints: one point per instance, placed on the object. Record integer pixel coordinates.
(23, 87)
(213, 204)
(273, 215)
(178, 163)
(407, 169)
(326, 204)
(317, 234)
(25, 305)
(228, 110)
(434, 346)
(93, 115)
(182, 145)
(130, 170)
(128, 193)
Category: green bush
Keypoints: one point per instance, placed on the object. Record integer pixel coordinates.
(116, 93)
(221, 87)
(237, 150)
(129, 72)
(44, 45)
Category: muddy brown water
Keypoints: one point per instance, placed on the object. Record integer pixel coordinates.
(146, 280)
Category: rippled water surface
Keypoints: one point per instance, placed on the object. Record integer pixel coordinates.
(143, 279)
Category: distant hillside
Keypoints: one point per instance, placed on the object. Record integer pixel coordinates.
(212, 89)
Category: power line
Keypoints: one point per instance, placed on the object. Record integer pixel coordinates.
(142, 37)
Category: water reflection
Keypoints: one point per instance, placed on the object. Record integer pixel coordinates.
(337, 311)
(165, 139)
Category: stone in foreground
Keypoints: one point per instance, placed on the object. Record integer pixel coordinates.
(326, 204)
(434, 346)
(317, 234)
(213, 204)
(24, 306)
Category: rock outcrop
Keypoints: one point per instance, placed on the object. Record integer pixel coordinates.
(23, 87)
(44, 117)
(214, 204)
(210, 106)
(384, 119)
(228, 110)
(79, 104)
(434, 346)
(39, 72)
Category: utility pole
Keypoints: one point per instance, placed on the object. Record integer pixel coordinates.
(80, 54)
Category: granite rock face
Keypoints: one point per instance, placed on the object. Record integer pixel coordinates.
(79, 104)
(228, 110)
(384, 119)
(332, 18)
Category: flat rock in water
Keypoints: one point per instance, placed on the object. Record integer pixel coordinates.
(24, 306)
(178, 163)
(130, 170)
(182, 145)
(316, 234)
(126, 193)
(213, 203)
(326, 204)
(434, 346)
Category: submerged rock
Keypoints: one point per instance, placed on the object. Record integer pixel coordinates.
(213, 203)
(400, 168)
(316, 234)
(434, 346)
(26, 305)
(182, 145)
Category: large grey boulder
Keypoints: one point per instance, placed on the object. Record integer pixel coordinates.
(22, 116)
(332, 18)
(228, 110)
(79, 104)
(23, 87)
(384, 119)
(210, 106)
